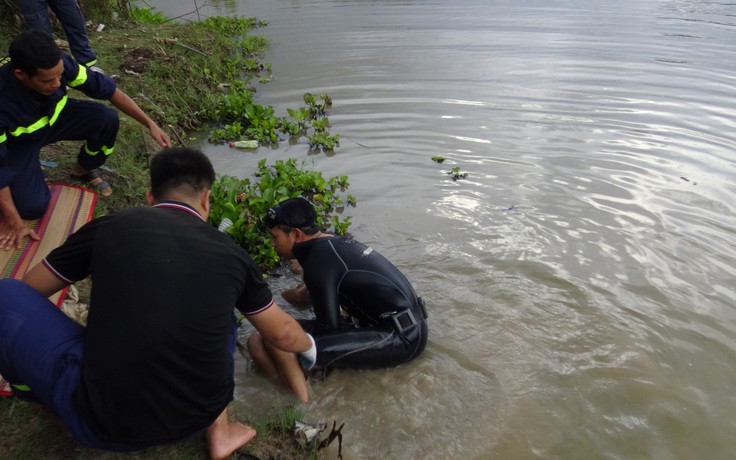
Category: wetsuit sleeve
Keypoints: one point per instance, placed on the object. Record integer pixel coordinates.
(91, 83)
(72, 260)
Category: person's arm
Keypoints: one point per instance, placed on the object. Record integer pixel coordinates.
(128, 106)
(280, 330)
(322, 287)
(15, 227)
(279, 336)
(44, 280)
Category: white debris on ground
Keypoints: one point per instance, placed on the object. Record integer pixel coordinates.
(73, 308)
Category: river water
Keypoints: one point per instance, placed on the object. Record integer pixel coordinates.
(580, 280)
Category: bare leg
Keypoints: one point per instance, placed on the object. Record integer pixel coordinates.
(225, 437)
(260, 356)
(279, 365)
(290, 371)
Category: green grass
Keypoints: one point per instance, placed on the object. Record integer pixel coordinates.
(166, 68)
(27, 431)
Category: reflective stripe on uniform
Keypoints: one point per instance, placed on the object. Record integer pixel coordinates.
(43, 122)
(105, 150)
(81, 77)
(20, 387)
(3, 137)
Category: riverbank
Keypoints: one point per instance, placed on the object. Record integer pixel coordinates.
(168, 69)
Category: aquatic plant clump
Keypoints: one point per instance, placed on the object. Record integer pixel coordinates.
(245, 203)
(243, 118)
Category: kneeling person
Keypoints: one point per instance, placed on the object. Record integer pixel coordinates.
(384, 322)
(35, 110)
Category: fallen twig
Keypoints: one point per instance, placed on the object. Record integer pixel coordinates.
(191, 49)
(335, 433)
(176, 135)
(153, 104)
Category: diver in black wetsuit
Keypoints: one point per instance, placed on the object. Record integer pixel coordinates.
(382, 322)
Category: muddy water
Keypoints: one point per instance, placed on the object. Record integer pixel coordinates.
(581, 278)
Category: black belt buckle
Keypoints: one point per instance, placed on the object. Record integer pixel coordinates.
(403, 320)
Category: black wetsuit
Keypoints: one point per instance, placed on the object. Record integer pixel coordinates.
(383, 322)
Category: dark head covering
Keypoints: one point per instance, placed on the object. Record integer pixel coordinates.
(293, 212)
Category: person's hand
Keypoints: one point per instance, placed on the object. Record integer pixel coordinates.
(160, 137)
(307, 359)
(13, 235)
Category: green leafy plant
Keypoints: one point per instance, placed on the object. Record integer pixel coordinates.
(148, 16)
(300, 117)
(456, 174)
(323, 139)
(253, 44)
(320, 124)
(243, 117)
(438, 159)
(319, 107)
(232, 25)
(227, 132)
(246, 201)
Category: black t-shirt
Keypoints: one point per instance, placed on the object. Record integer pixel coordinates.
(164, 283)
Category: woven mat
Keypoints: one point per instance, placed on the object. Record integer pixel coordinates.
(70, 208)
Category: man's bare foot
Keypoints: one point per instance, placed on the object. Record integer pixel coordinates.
(225, 437)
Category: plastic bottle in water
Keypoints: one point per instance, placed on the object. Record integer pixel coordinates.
(225, 223)
(243, 144)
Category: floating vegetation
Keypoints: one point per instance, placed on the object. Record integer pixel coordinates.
(246, 201)
(438, 159)
(456, 174)
(243, 117)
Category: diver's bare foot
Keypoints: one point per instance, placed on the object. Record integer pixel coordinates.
(225, 437)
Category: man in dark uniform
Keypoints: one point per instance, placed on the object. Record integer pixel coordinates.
(366, 312)
(35, 111)
(155, 363)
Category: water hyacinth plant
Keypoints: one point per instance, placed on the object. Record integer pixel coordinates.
(245, 203)
(242, 118)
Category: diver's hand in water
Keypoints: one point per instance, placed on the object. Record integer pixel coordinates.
(307, 359)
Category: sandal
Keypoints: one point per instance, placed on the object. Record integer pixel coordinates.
(93, 178)
(5, 389)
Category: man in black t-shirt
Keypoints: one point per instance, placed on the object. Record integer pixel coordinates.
(155, 363)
